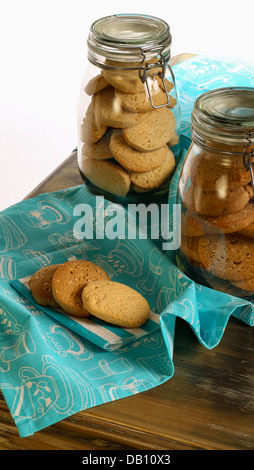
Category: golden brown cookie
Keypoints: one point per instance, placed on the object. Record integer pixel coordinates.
(246, 285)
(173, 140)
(129, 81)
(228, 257)
(195, 225)
(189, 247)
(99, 150)
(126, 81)
(40, 284)
(91, 130)
(248, 231)
(116, 303)
(140, 102)
(107, 175)
(155, 178)
(169, 85)
(69, 280)
(135, 160)
(214, 203)
(217, 173)
(152, 132)
(110, 112)
(96, 84)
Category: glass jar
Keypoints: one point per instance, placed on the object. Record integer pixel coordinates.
(128, 113)
(215, 191)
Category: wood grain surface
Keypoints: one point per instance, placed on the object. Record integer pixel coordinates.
(207, 404)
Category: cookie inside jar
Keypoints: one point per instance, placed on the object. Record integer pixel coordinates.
(128, 118)
(215, 191)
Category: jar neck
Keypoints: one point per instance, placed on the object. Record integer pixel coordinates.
(223, 119)
(225, 144)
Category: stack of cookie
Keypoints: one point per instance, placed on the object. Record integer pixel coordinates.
(124, 140)
(218, 224)
(82, 288)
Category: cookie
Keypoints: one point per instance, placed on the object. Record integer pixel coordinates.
(196, 225)
(96, 84)
(152, 132)
(91, 130)
(106, 175)
(246, 285)
(69, 280)
(129, 81)
(40, 284)
(215, 173)
(135, 160)
(214, 203)
(141, 103)
(155, 178)
(99, 150)
(126, 81)
(168, 85)
(248, 231)
(110, 112)
(228, 257)
(116, 303)
(174, 139)
(189, 247)
(138, 189)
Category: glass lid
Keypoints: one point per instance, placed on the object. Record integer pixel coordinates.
(226, 110)
(127, 34)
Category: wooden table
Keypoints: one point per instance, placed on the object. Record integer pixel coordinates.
(208, 404)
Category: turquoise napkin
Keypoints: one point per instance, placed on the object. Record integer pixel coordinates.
(51, 366)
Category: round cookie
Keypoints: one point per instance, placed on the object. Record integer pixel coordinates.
(196, 225)
(228, 257)
(189, 247)
(116, 303)
(96, 84)
(106, 175)
(155, 178)
(69, 280)
(135, 160)
(126, 81)
(214, 203)
(110, 112)
(152, 132)
(40, 284)
(248, 231)
(168, 85)
(141, 103)
(215, 173)
(246, 285)
(91, 130)
(174, 139)
(99, 150)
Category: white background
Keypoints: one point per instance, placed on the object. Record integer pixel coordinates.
(43, 58)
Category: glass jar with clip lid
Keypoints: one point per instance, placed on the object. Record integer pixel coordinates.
(216, 193)
(128, 111)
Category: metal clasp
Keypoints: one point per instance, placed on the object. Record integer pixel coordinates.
(145, 68)
(247, 157)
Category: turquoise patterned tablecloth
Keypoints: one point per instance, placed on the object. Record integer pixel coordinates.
(52, 367)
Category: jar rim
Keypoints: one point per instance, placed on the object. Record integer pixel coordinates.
(224, 113)
(123, 37)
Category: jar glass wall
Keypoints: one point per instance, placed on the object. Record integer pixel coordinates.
(216, 193)
(128, 112)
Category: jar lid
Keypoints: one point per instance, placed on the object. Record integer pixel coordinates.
(125, 36)
(224, 113)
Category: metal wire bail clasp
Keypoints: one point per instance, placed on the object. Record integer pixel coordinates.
(248, 157)
(144, 73)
